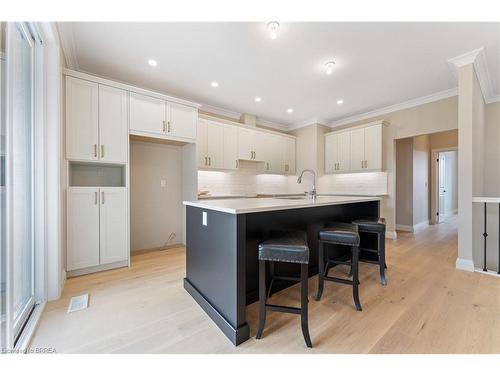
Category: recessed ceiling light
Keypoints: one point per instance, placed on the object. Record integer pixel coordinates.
(340, 101)
(329, 65)
(258, 99)
(290, 110)
(273, 28)
(214, 84)
(152, 62)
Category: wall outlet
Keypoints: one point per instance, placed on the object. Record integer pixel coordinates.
(204, 219)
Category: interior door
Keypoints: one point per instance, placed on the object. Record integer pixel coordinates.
(113, 220)
(82, 235)
(442, 187)
(81, 119)
(147, 114)
(215, 145)
(113, 125)
(182, 120)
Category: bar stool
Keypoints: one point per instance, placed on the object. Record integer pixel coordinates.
(376, 226)
(289, 247)
(344, 234)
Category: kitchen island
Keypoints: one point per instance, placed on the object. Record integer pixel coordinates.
(222, 238)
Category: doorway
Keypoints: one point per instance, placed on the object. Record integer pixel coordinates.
(446, 184)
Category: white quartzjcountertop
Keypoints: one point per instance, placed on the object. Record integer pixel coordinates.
(249, 205)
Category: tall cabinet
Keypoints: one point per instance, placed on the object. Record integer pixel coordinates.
(100, 115)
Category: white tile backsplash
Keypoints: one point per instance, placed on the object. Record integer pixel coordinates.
(248, 180)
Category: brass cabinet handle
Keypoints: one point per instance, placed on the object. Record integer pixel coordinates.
(95, 197)
(102, 197)
(209, 160)
(102, 151)
(168, 126)
(164, 126)
(206, 160)
(236, 163)
(95, 150)
(366, 163)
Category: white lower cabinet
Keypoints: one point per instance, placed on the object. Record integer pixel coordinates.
(96, 226)
(113, 244)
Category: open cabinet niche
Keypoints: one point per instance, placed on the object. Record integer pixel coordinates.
(92, 174)
(162, 175)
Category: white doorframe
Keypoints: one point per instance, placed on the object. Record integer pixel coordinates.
(434, 182)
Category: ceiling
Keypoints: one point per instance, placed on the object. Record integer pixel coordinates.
(377, 64)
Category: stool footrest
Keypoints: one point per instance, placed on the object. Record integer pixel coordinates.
(286, 278)
(337, 280)
(369, 261)
(368, 250)
(284, 309)
(345, 262)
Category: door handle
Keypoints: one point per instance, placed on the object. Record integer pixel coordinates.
(164, 127)
(168, 126)
(95, 197)
(95, 150)
(102, 197)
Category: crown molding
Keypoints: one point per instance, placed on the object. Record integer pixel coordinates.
(494, 99)
(311, 121)
(396, 107)
(68, 44)
(478, 59)
(211, 109)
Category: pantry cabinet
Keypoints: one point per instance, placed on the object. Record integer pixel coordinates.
(355, 150)
(96, 226)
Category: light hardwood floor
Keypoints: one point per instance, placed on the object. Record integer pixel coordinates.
(427, 307)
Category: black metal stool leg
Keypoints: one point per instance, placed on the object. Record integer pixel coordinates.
(262, 298)
(355, 278)
(271, 279)
(381, 257)
(321, 271)
(304, 314)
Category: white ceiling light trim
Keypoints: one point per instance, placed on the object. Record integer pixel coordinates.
(152, 62)
(329, 65)
(396, 107)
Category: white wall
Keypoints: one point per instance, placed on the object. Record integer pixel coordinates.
(451, 181)
(155, 211)
(404, 182)
(421, 179)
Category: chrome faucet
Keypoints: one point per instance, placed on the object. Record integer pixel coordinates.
(312, 193)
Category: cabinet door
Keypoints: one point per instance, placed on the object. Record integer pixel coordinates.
(344, 152)
(357, 149)
(331, 153)
(272, 152)
(258, 145)
(215, 145)
(230, 147)
(82, 221)
(373, 147)
(147, 114)
(113, 225)
(245, 144)
(201, 143)
(81, 119)
(289, 160)
(182, 121)
(113, 126)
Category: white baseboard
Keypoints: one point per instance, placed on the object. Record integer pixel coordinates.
(412, 228)
(391, 234)
(404, 228)
(464, 265)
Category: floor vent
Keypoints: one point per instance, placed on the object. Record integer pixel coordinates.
(78, 303)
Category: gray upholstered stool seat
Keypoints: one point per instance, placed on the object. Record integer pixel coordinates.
(289, 247)
(341, 234)
(285, 247)
(376, 226)
(371, 224)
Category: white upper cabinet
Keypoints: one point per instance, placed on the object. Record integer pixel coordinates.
(230, 147)
(113, 125)
(181, 120)
(356, 150)
(82, 117)
(161, 118)
(289, 159)
(147, 114)
(215, 145)
(246, 143)
(201, 143)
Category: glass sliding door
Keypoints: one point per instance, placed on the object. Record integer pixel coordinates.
(3, 242)
(20, 174)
